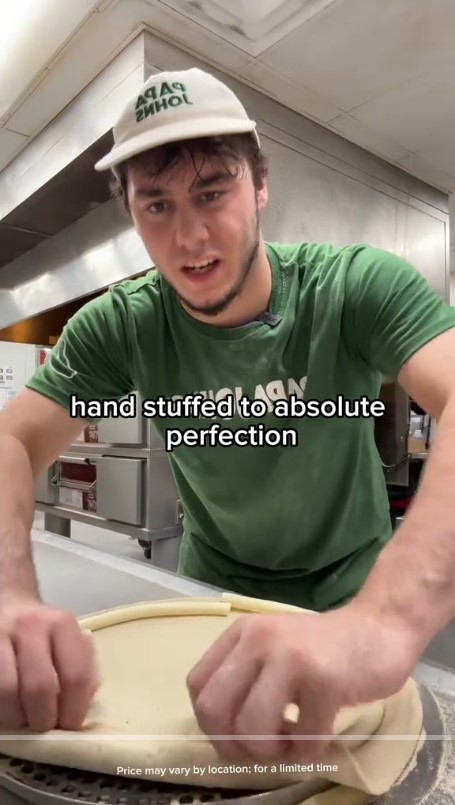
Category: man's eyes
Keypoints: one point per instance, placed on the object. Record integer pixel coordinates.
(212, 195)
(158, 207)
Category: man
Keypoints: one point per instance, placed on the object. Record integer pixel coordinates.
(227, 315)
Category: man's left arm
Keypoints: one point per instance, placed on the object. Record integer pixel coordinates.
(413, 581)
(366, 649)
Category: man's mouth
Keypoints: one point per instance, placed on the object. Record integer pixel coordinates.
(205, 267)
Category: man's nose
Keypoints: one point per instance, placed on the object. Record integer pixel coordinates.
(190, 230)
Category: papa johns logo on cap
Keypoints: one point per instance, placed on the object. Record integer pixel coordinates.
(157, 98)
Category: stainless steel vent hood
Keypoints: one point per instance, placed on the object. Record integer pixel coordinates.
(66, 197)
(55, 212)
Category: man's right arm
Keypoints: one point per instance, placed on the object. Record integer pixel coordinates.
(48, 676)
(34, 430)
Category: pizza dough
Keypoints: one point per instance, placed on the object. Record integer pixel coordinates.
(339, 796)
(141, 723)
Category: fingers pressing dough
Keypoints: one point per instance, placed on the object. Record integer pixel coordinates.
(142, 715)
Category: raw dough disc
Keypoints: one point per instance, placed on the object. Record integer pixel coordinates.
(142, 718)
(339, 796)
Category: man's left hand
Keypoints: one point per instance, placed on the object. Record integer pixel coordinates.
(243, 683)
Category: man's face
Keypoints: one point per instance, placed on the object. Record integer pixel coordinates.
(200, 225)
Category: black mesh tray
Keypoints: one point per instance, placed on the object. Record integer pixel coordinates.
(51, 784)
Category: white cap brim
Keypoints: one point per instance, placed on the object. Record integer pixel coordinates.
(174, 132)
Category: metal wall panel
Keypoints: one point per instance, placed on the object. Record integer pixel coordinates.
(312, 200)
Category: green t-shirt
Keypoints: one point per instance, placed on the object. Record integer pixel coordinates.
(300, 524)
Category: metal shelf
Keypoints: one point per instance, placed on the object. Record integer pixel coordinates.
(98, 448)
(144, 534)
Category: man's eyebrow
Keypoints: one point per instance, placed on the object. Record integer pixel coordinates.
(149, 192)
(220, 177)
(199, 184)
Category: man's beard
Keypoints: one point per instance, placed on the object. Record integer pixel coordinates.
(219, 307)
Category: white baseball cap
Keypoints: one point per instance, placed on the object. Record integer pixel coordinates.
(173, 106)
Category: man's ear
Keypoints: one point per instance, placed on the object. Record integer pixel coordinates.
(262, 195)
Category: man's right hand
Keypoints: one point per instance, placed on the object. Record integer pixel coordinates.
(48, 672)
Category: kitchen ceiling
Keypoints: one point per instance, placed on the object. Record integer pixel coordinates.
(379, 72)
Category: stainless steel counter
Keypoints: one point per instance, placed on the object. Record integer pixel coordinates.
(81, 579)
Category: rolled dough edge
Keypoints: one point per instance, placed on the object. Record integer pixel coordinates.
(153, 609)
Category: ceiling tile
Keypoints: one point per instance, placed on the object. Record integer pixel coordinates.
(441, 154)
(288, 92)
(423, 169)
(253, 26)
(192, 37)
(416, 113)
(98, 43)
(369, 138)
(10, 144)
(358, 49)
(44, 29)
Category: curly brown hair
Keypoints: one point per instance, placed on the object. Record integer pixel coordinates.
(240, 149)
